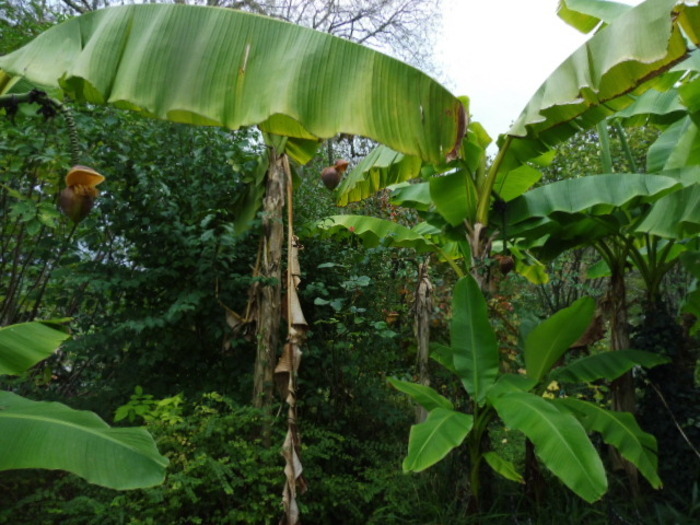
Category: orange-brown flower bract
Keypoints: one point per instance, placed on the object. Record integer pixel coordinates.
(506, 263)
(78, 198)
(331, 176)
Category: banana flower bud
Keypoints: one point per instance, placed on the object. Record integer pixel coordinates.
(78, 198)
(331, 175)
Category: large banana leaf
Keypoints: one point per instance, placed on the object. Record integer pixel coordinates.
(690, 93)
(517, 182)
(607, 365)
(586, 15)
(53, 436)
(212, 66)
(692, 63)
(24, 345)
(599, 77)
(594, 194)
(472, 339)
(678, 146)
(663, 107)
(455, 197)
(620, 430)
(432, 440)
(551, 338)
(581, 211)
(416, 196)
(444, 355)
(508, 383)
(675, 216)
(560, 442)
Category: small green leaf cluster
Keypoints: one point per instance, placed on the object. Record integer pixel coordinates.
(147, 408)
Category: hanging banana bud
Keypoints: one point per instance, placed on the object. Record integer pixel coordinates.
(506, 263)
(78, 198)
(331, 176)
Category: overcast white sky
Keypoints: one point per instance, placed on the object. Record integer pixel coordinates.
(498, 52)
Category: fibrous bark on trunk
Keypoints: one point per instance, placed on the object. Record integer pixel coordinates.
(269, 287)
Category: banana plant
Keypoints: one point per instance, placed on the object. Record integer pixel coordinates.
(643, 219)
(596, 81)
(49, 435)
(456, 197)
(604, 211)
(557, 425)
(631, 218)
(221, 67)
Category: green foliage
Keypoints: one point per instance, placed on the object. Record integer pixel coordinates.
(474, 346)
(157, 258)
(546, 343)
(353, 477)
(148, 275)
(219, 472)
(424, 395)
(620, 430)
(580, 156)
(560, 440)
(144, 406)
(571, 276)
(33, 160)
(502, 466)
(608, 365)
(47, 435)
(523, 403)
(431, 440)
(680, 510)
